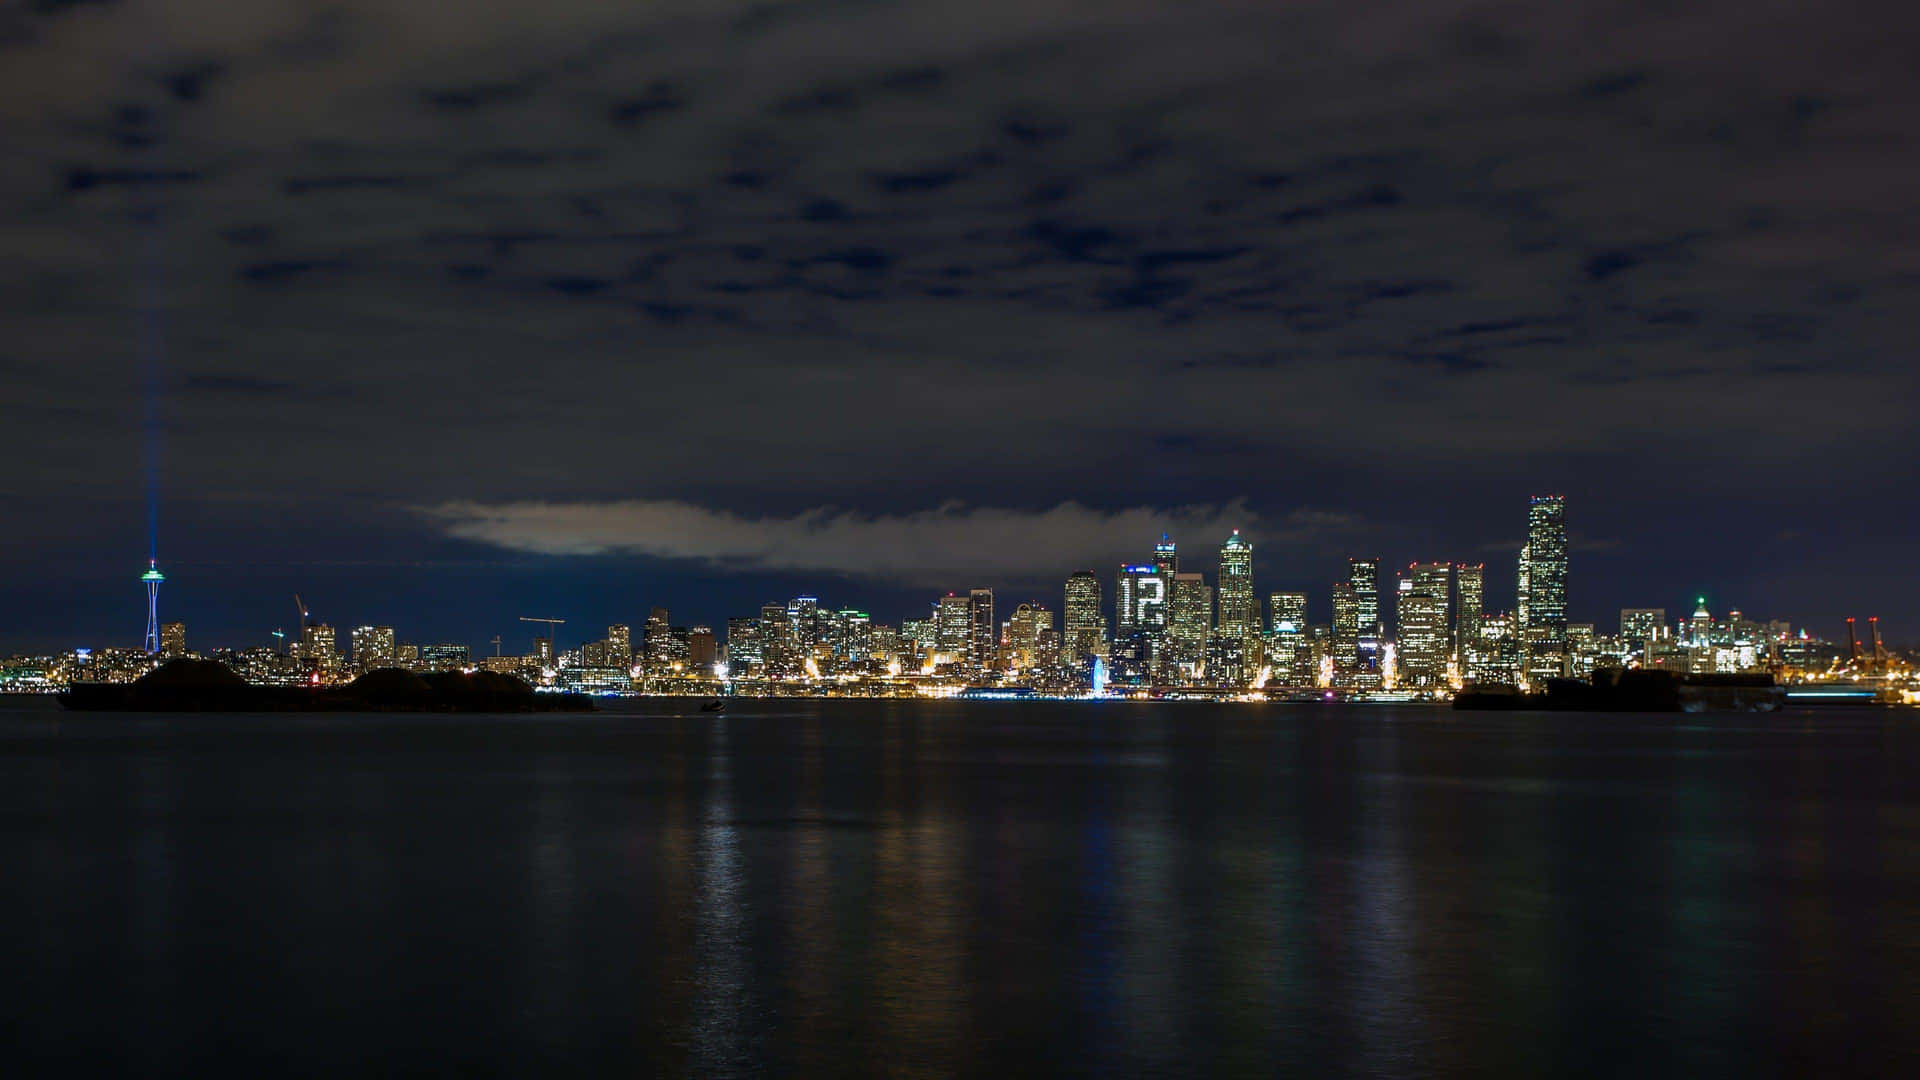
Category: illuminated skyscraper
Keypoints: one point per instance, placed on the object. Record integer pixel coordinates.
(317, 645)
(1421, 625)
(953, 619)
(1346, 635)
(981, 636)
(1239, 615)
(1641, 628)
(1189, 621)
(776, 641)
(1083, 622)
(1166, 557)
(1288, 641)
(1364, 576)
(1139, 600)
(1469, 601)
(703, 652)
(1025, 631)
(658, 639)
(620, 645)
(1542, 614)
(1543, 567)
(372, 647)
(173, 640)
(744, 653)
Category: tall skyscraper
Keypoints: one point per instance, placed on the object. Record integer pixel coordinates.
(1166, 556)
(1288, 641)
(372, 647)
(1139, 600)
(620, 645)
(776, 641)
(1469, 602)
(1239, 615)
(1025, 631)
(1421, 624)
(982, 638)
(1364, 576)
(1543, 589)
(703, 652)
(744, 653)
(1346, 634)
(1189, 621)
(1083, 622)
(658, 638)
(317, 645)
(1542, 613)
(173, 640)
(953, 619)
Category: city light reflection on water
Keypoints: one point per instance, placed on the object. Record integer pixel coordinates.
(941, 887)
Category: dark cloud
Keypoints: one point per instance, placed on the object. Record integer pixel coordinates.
(1409, 262)
(286, 271)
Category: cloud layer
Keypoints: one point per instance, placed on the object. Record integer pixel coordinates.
(951, 544)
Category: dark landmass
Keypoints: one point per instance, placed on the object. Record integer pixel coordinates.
(1617, 690)
(210, 686)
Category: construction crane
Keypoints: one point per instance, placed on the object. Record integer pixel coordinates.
(496, 644)
(297, 602)
(553, 631)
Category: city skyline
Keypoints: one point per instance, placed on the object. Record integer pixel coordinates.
(1164, 555)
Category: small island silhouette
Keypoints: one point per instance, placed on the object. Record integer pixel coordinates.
(210, 686)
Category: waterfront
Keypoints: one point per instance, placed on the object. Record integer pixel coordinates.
(931, 887)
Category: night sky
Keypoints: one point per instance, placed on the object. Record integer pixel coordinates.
(440, 314)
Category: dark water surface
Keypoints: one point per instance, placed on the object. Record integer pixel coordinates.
(988, 888)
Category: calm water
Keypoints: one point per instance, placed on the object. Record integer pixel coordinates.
(991, 888)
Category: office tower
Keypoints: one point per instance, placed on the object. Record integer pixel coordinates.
(981, 638)
(1288, 640)
(1543, 568)
(853, 636)
(1542, 613)
(593, 654)
(1189, 622)
(1025, 630)
(953, 622)
(1083, 622)
(1239, 616)
(744, 654)
(1345, 642)
(1640, 628)
(1364, 576)
(658, 637)
(776, 644)
(372, 647)
(1493, 657)
(542, 656)
(173, 640)
(620, 645)
(703, 652)
(1469, 601)
(1166, 557)
(1139, 600)
(442, 657)
(1288, 611)
(1421, 625)
(317, 646)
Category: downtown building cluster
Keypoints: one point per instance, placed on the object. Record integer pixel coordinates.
(1156, 627)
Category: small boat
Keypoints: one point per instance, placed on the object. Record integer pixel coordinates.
(716, 705)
